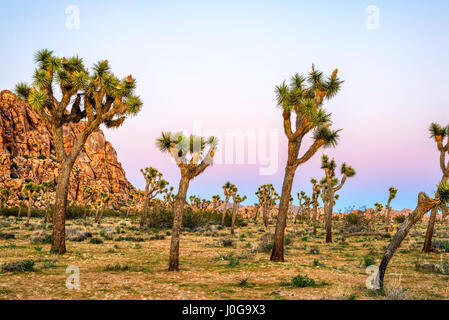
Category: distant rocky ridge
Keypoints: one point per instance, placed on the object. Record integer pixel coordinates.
(27, 151)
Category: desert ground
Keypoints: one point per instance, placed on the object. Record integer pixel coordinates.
(119, 260)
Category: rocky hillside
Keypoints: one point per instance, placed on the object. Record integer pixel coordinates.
(27, 151)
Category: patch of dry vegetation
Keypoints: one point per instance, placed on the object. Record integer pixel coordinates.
(131, 263)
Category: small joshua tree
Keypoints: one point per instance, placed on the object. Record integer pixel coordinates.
(316, 190)
(98, 97)
(216, 202)
(192, 159)
(237, 199)
(267, 195)
(30, 190)
(87, 193)
(5, 194)
(154, 185)
(48, 188)
(105, 198)
(330, 185)
(425, 204)
(168, 197)
(229, 190)
(392, 194)
(304, 98)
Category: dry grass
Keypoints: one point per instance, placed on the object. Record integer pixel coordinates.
(211, 271)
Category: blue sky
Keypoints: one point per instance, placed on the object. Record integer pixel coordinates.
(218, 62)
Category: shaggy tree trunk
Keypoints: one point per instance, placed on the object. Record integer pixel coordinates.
(127, 213)
(444, 212)
(329, 212)
(235, 209)
(101, 214)
(85, 212)
(429, 232)
(278, 248)
(62, 187)
(315, 216)
(265, 213)
(173, 264)
(223, 216)
(255, 215)
(424, 205)
(20, 210)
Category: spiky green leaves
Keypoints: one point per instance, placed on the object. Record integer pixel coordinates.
(134, 104)
(393, 191)
(101, 86)
(22, 90)
(437, 130)
(330, 137)
(347, 170)
(179, 145)
(37, 99)
(443, 192)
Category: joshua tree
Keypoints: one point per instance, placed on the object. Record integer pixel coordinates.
(229, 190)
(256, 206)
(329, 187)
(305, 101)
(99, 97)
(154, 185)
(105, 198)
(316, 190)
(5, 194)
(30, 189)
(440, 134)
(76, 176)
(392, 194)
(47, 189)
(168, 197)
(235, 208)
(425, 204)
(192, 159)
(87, 194)
(216, 202)
(301, 196)
(266, 194)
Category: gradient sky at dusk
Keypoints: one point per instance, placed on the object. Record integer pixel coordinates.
(217, 63)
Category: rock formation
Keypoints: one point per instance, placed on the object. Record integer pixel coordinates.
(27, 151)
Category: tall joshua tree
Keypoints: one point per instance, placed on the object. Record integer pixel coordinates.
(392, 194)
(99, 98)
(192, 159)
(330, 186)
(425, 204)
(441, 136)
(237, 199)
(229, 190)
(304, 98)
(316, 190)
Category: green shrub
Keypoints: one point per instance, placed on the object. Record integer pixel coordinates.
(368, 260)
(302, 281)
(96, 241)
(399, 218)
(18, 266)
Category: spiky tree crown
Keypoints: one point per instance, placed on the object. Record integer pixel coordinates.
(304, 96)
(181, 147)
(107, 99)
